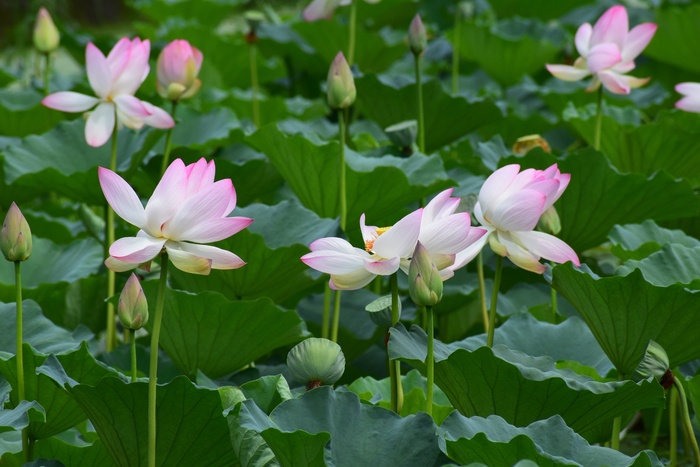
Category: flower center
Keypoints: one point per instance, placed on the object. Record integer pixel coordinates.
(369, 244)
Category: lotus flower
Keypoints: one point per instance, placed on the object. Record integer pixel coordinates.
(691, 100)
(608, 50)
(187, 209)
(178, 66)
(509, 207)
(324, 9)
(114, 79)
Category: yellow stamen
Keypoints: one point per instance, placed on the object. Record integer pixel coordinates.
(369, 244)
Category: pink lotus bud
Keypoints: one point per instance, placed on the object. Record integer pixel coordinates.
(15, 237)
(133, 307)
(417, 37)
(178, 66)
(341, 91)
(46, 36)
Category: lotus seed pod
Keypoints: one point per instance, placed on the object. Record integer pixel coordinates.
(403, 134)
(15, 237)
(316, 361)
(655, 363)
(424, 281)
(133, 307)
(46, 35)
(417, 37)
(340, 91)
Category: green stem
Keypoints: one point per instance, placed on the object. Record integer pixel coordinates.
(455, 53)
(430, 360)
(482, 290)
(617, 425)
(47, 72)
(109, 240)
(153, 370)
(254, 84)
(419, 94)
(20, 354)
(326, 320)
(673, 428)
(168, 142)
(336, 317)
(655, 428)
(687, 424)
(598, 119)
(494, 300)
(134, 367)
(353, 31)
(554, 304)
(395, 365)
(342, 194)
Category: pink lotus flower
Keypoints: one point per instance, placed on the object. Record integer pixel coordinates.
(114, 79)
(608, 50)
(691, 100)
(509, 207)
(186, 206)
(178, 66)
(323, 9)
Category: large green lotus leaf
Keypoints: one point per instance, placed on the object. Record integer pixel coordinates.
(377, 187)
(61, 161)
(250, 448)
(625, 312)
(272, 246)
(252, 174)
(42, 334)
(542, 9)
(521, 388)
(21, 416)
(674, 264)
(637, 241)
(549, 443)
(510, 49)
(359, 434)
(199, 330)
(210, 12)
(192, 429)
(395, 13)
(92, 455)
(201, 131)
(664, 144)
(268, 392)
(21, 113)
(599, 197)
(676, 45)
(62, 412)
(272, 108)
(447, 118)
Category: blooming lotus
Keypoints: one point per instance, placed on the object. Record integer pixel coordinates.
(178, 66)
(114, 79)
(607, 51)
(509, 207)
(691, 100)
(186, 209)
(323, 9)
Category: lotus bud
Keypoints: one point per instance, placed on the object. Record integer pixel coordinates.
(424, 281)
(316, 361)
(403, 134)
(341, 91)
(417, 37)
(549, 221)
(15, 237)
(178, 66)
(655, 363)
(46, 36)
(133, 307)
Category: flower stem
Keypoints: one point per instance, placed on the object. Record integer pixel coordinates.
(47, 72)
(153, 370)
(168, 142)
(20, 355)
(352, 32)
(430, 360)
(342, 195)
(494, 300)
(109, 239)
(336, 317)
(598, 119)
(655, 428)
(326, 320)
(673, 428)
(455, 52)
(395, 365)
(254, 84)
(615, 438)
(687, 424)
(134, 368)
(419, 94)
(482, 289)
(554, 304)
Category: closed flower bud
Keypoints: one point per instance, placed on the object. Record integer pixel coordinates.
(46, 36)
(417, 37)
(424, 281)
(316, 361)
(15, 237)
(178, 66)
(549, 221)
(133, 307)
(341, 91)
(655, 363)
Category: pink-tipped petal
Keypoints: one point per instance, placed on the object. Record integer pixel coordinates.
(100, 125)
(119, 266)
(136, 249)
(369, 232)
(121, 197)
(497, 183)
(382, 267)
(440, 206)
(98, 71)
(469, 253)
(689, 104)
(158, 118)
(68, 101)
(521, 257)
(611, 27)
(131, 111)
(603, 56)
(547, 246)
(333, 262)
(320, 9)
(583, 38)
(208, 204)
(351, 281)
(448, 235)
(189, 262)
(637, 40)
(614, 82)
(334, 244)
(200, 175)
(219, 258)
(167, 198)
(214, 230)
(689, 89)
(521, 211)
(118, 57)
(135, 71)
(400, 240)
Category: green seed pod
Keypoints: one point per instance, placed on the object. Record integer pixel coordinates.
(133, 307)
(424, 281)
(316, 361)
(15, 237)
